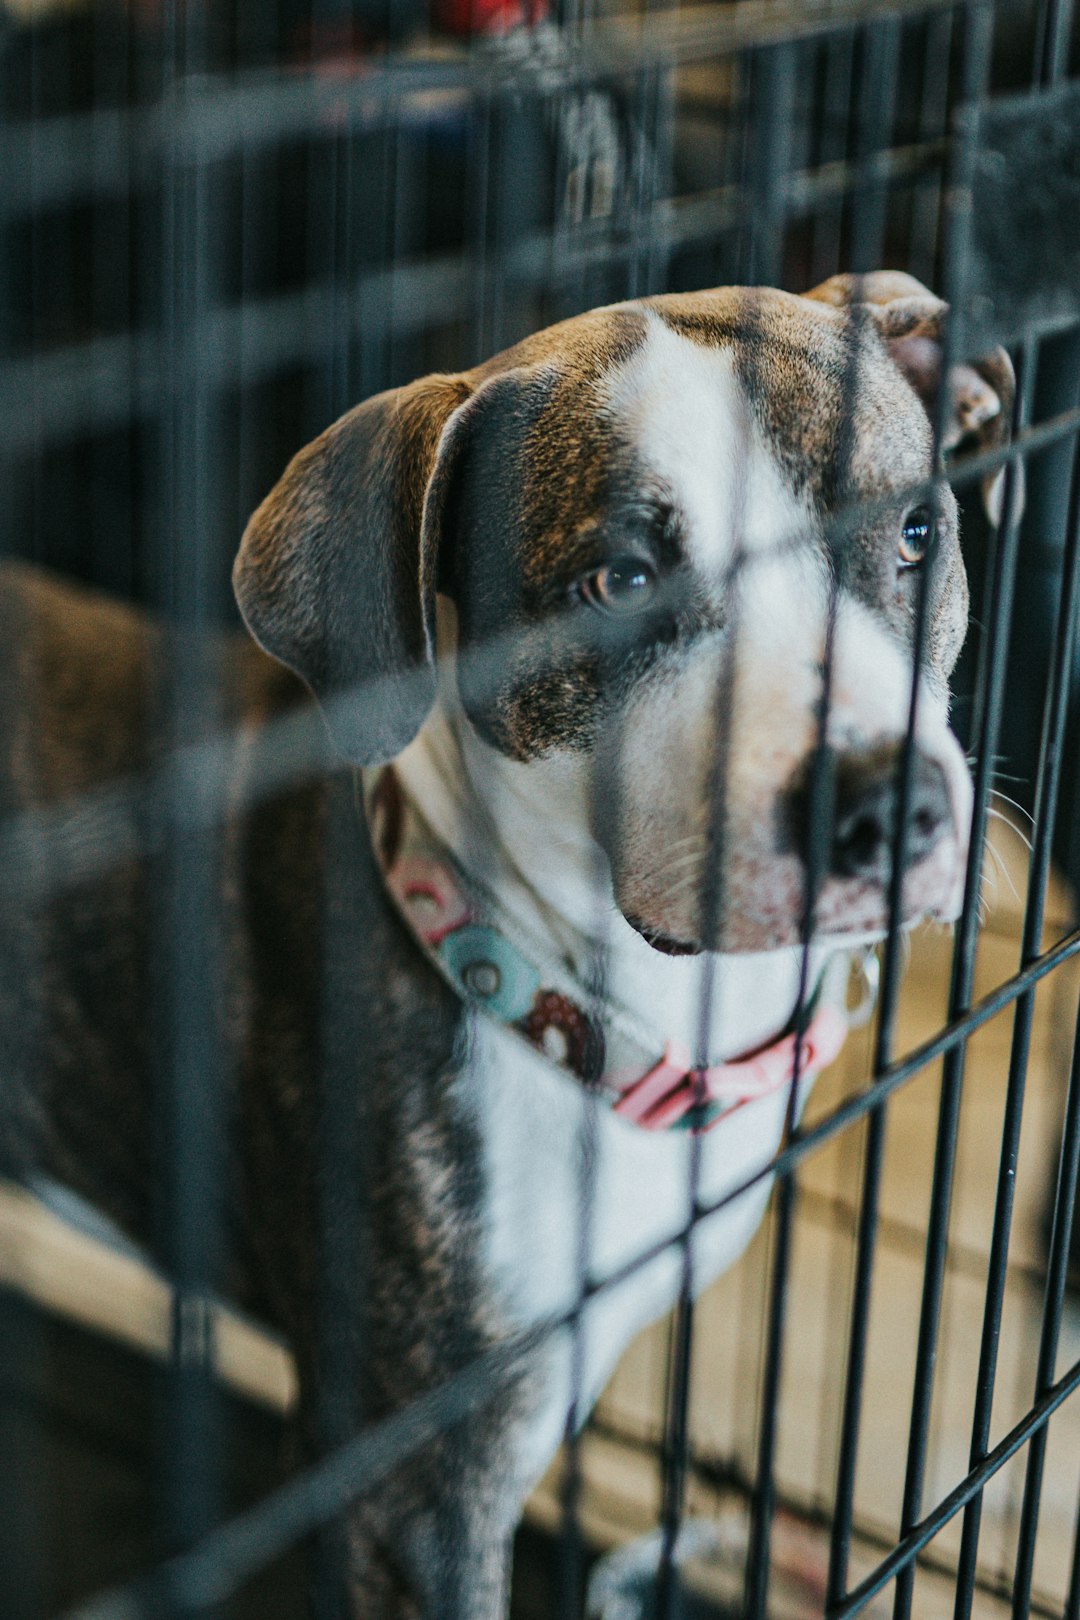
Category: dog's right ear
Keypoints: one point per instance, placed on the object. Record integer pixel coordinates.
(980, 391)
(336, 570)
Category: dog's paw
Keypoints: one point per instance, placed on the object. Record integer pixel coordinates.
(623, 1584)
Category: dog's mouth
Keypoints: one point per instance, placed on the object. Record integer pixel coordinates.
(845, 911)
(665, 943)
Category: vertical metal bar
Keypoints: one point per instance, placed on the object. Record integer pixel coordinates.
(768, 259)
(817, 843)
(23, 1591)
(113, 530)
(643, 187)
(571, 1547)
(337, 249)
(1057, 389)
(772, 108)
(324, 393)
(826, 227)
(877, 109)
(677, 1405)
(1072, 1602)
(764, 1500)
(877, 115)
(733, 167)
(23, 1489)
(376, 368)
(248, 179)
(977, 43)
(662, 161)
(991, 687)
(644, 255)
(342, 1169)
(676, 1436)
(1049, 774)
(1050, 764)
(604, 811)
(1054, 31)
(676, 1442)
(1056, 1275)
(482, 167)
(506, 199)
(710, 910)
(7, 251)
(190, 1052)
(927, 197)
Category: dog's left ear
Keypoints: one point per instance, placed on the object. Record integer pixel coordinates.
(336, 570)
(910, 319)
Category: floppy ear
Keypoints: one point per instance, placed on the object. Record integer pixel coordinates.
(910, 319)
(336, 570)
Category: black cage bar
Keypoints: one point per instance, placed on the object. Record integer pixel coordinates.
(222, 224)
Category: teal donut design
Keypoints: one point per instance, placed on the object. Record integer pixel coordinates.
(489, 972)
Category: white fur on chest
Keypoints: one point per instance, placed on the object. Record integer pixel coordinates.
(533, 1120)
(534, 1128)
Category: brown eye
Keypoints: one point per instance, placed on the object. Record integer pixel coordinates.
(915, 537)
(623, 586)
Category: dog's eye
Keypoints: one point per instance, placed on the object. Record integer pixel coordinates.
(622, 586)
(915, 537)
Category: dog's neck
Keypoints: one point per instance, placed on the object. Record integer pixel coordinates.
(524, 829)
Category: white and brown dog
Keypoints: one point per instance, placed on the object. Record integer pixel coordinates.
(580, 596)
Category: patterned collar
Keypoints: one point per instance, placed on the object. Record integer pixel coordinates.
(519, 981)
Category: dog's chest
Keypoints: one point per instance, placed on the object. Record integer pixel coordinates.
(572, 1191)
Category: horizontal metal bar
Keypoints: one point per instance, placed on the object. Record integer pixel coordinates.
(227, 1556)
(805, 189)
(210, 118)
(101, 385)
(1027, 443)
(112, 150)
(908, 1547)
(694, 32)
(720, 1474)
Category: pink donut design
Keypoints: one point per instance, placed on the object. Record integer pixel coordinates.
(427, 893)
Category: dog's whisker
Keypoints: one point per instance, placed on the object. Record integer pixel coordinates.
(673, 866)
(1019, 808)
(1007, 821)
(1000, 865)
(685, 886)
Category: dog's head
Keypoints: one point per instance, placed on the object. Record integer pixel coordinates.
(658, 522)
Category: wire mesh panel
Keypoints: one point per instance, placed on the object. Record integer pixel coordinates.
(376, 1068)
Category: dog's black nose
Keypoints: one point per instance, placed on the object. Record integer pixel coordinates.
(864, 826)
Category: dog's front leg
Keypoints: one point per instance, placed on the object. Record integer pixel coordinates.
(443, 1558)
(431, 1539)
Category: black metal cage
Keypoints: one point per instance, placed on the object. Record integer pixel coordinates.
(221, 224)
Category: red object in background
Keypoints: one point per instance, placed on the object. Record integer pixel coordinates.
(464, 17)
